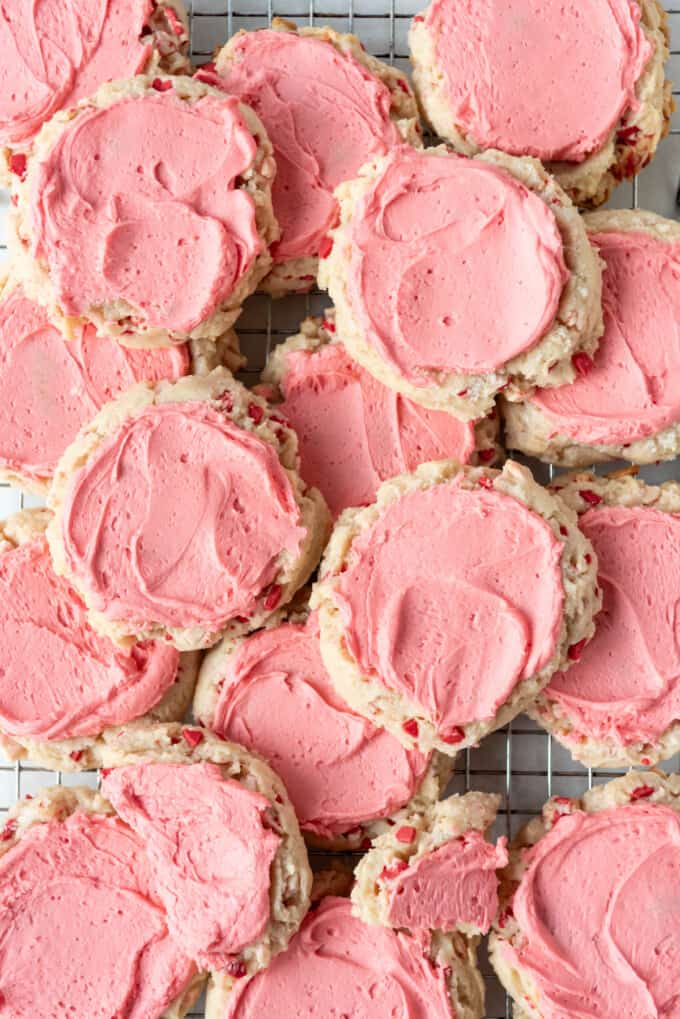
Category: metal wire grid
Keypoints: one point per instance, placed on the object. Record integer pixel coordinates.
(521, 762)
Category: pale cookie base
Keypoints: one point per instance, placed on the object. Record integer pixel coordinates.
(439, 824)
(450, 951)
(116, 317)
(603, 797)
(432, 785)
(83, 752)
(291, 877)
(57, 803)
(629, 147)
(298, 275)
(531, 430)
(205, 355)
(618, 490)
(384, 707)
(576, 328)
(169, 25)
(293, 571)
(316, 333)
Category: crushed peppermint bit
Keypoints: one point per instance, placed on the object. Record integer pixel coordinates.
(592, 498)
(406, 834)
(193, 737)
(397, 868)
(582, 362)
(642, 792)
(325, 247)
(17, 164)
(75, 755)
(255, 412)
(410, 727)
(160, 85)
(575, 651)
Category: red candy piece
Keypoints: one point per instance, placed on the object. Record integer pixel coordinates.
(486, 455)
(592, 498)
(410, 727)
(192, 736)
(406, 834)
(273, 597)
(75, 755)
(17, 164)
(389, 873)
(255, 413)
(575, 651)
(325, 247)
(454, 735)
(160, 85)
(642, 792)
(582, 362)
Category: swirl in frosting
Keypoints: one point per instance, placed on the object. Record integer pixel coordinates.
(633, 389)
(276, 698)
(336, 965)
(59, 678)
(120, 210)
(598, 911)
(451, 598)
(82, 931)
(638, 549)
(455, 266)
(180, 517)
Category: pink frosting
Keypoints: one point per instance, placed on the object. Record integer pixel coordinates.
(57, 52)
(51, 388)
(638, 550)
(454, 884)
(598, 913)
(340, 771)
(633, 390)
(210, 851)
(355, 433)
(444, 249)
(82, 932)
(451, 599)
(120, 210)
(336, 965)
(145, 552)
(551, 79)
(59, 678)
(325, 115)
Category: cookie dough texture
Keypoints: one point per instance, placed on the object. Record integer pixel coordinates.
(83, 752)
(297, 275)
(616, 793)
(432, 784)
(291, 877)
(55, 804)
(582, 600)
(576, 328)
(532, 432)
(620, 489)
(224, 394)
(434, 827)
(118, 318)
(630, 145)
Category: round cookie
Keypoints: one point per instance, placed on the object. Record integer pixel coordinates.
(83, 931)
(436, 871)
(225, 849)
(337, 965)
(347, 780)
(590, 904)
(52, 388)
(62, 684)
(189, 570)
(450, 602)
(327, 107)
(619, 703)
(118, 225)
(579, 85)
(353, 431)
(456, 278)
(625, 405)
(52, 61)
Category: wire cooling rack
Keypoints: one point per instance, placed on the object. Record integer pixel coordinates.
(521, 762)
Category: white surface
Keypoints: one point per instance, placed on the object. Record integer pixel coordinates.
(522, 763)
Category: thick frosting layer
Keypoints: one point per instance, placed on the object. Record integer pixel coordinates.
(60, 51)
(210, 851)
(340, 771)
(598, 913)
(51, 388)
(455, 265)
(354, 432)
(59, 678)
(633, 389)
(637, 552)
(325, 115)
(553, 83)
(145, 552)
(336, 965)
(452, 598)
(454, 884)
(82, 932)
(120, 210)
